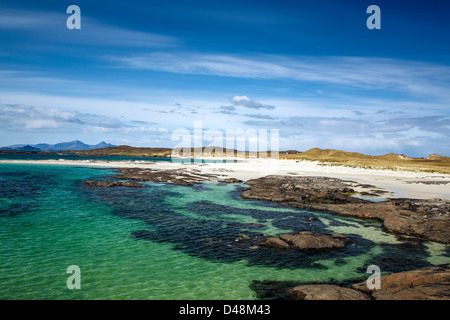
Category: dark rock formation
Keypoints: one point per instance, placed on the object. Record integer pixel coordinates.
(231, 180)
(184, 177)
(300, 189)
(427, 219)
(111, 184)
(306, 241)
(326, 292)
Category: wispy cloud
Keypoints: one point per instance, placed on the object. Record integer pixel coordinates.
(431, 124)
(126, 130)
(260, 116)
(415, 136)
(11, 19)
(370, 126)
(23, 117)
(358, 72)
(51, 27)
(38, 119)
(229, 109)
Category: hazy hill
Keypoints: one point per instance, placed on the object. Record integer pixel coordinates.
(25, 148)
(62, 146)
(138, 152)
(125, 151)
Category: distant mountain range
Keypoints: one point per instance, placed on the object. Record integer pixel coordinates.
(62, 146)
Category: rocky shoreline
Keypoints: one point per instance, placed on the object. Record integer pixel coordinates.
(184, 177)
(181, 177)
(431, 283)
(424, 219)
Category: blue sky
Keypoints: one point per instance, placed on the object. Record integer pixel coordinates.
(136, 72)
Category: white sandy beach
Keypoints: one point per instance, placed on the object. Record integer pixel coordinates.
(406, 184)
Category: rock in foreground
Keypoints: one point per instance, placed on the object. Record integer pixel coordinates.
(431, 283)
(326, 292)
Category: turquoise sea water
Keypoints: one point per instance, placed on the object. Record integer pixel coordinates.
(171, 242)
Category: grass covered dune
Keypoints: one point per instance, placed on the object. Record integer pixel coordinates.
(434, 163)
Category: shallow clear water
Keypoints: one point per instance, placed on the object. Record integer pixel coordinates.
(171, 242)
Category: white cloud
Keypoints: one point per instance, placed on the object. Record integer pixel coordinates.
(41, 124)
(36, 119)
(412, 136)
(21, 117)
(245, 101)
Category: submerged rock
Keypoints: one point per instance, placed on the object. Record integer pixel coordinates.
(111, 184)
(306, 241)
(275, 243)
